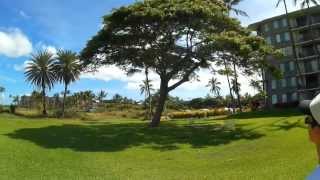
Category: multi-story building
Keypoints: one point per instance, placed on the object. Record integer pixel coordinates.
(301, 73)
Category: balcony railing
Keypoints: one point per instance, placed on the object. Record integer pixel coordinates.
(303, 21)
(304, 37)
(303, 54)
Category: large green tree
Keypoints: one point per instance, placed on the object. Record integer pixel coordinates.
(174, 38)
(67, 69)
(230, 4)
(40, 72)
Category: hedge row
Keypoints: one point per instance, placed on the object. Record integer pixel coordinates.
(197, 114)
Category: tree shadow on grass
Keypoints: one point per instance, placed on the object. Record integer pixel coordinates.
(289, 125)
(30, 116)
(117, 137)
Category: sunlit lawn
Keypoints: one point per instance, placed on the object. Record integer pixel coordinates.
(263, 146)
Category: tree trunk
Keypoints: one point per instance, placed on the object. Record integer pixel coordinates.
(64, 99)
(146, 116)
(294, 49)
(264, 85)
(148, 92)
(236, 86)
(161, 102)
(44, 112)
(230, 90)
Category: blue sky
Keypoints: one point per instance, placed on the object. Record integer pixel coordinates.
(27, 26)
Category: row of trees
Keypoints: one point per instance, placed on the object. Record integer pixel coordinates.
(45, 69)
(82, 100)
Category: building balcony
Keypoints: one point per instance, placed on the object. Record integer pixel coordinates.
(302, 22)
(306, 55)
(306, 37)
(308, 89)
(303, 58)
(311, 82)
(307, 52)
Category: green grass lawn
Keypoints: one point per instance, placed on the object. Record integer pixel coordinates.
(263, 146)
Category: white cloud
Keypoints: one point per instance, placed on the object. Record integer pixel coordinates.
(190, 89)
(40, 45)
(109, 73)
(43, 46)
(13, 43)
(50, 49)
(20, 67)
(24, 14)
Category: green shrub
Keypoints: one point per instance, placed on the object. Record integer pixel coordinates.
(197, 114)
(68, 113)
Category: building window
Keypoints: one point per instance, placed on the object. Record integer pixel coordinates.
(287, 51)
(294, 96)
(283, 83)
(286, 36)
(282, 68)
(278, 38)
(284, 98)
(302, 67)
(291, 66)
(269, 40)
(314, 65)
(275, 24)
(274, 99)
(284, 22)
(293, 82)
(266, 28)
(274, 84)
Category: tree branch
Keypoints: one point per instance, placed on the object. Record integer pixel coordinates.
(184, 79)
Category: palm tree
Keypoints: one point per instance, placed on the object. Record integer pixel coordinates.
(236, 84)
(86, 98)
(256, 85)
(214, 85)
(306, 3)
(146, 88)
(40, 72)
(56, 98)
(15, 99)
(101, 95)
(293, 43)
(230, 5)
(67, 69)
(227, 72)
